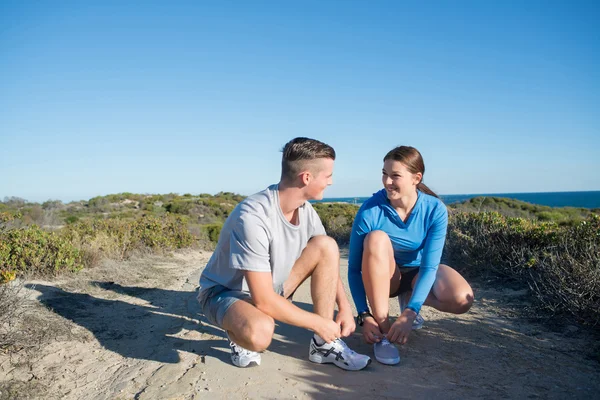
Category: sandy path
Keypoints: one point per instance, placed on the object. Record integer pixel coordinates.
(139, 335)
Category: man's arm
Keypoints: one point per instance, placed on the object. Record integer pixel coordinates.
(280, 309)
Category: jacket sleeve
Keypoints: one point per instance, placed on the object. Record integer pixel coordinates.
(360, 228)
(430, 261)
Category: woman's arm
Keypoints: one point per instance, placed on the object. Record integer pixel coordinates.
(432, 254)
(360, 229)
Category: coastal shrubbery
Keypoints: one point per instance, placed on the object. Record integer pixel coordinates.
(559, 264)
(337, 219)
(119, 239)
(33, 250)
(521, 209)
(554, 251)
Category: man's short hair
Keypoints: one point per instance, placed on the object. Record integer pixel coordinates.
(299, 154)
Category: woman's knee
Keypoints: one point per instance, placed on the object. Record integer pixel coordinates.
(376, 240)
(464, 302)
(377, 244)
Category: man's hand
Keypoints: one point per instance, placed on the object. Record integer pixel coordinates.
(370, 330)
(402, 327)
(327, 329)
(346, 320)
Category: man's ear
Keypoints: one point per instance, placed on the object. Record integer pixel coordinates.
(305, 177)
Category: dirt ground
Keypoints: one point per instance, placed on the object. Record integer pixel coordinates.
(134, 331)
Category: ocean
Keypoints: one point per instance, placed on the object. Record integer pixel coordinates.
(553, 199)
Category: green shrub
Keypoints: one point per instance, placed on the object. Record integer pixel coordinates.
(213, 231)
(179, 207)
(559, 263)
(32, 249)
(337, 219)
(71, 219)
(118, 238)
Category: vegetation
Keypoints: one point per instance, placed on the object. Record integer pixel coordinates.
(337, 219)
(560, 264)
(521, 209)
(54, 237)
(554, 251)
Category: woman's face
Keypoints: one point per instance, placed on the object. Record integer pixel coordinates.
(397, 180)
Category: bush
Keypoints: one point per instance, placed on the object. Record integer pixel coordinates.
(560, 264)
(118, 239)
(71, 219)
(213, 231)
(11, 310)
(32, 249)
(337, 219)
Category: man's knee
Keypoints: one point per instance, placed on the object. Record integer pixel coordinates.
(325, 244)
(260, 332)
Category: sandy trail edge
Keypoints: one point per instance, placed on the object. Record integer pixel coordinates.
(139, 335)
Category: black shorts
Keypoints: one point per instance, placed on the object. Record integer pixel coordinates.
(406, 280)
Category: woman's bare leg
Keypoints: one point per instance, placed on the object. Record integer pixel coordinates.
(450, 292)
(380, 275)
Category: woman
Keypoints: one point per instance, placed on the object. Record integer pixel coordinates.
(395, 249)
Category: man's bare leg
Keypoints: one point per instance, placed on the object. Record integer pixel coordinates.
(320, 260)
(249, 327)
(252, 329)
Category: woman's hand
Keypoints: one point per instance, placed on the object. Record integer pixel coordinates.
(402, 327)
(371, 331)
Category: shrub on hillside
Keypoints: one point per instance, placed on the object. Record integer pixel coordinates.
(520, 209)
(118, 239)
(560, 264)
(31, 249)
(337, 219)
(213, 231)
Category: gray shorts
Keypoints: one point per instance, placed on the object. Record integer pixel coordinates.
(215, 301)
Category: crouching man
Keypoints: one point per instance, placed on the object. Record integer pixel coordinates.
(271, 243)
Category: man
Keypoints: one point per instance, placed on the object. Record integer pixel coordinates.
(271, 243)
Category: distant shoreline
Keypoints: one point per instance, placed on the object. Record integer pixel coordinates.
(583, 199)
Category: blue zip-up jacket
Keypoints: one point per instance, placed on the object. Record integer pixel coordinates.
(417, 243)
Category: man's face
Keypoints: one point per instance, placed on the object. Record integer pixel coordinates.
(320, 179)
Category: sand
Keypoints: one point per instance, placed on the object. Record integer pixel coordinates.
(134, 331)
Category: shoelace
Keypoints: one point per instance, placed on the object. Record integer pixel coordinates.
(344, 346)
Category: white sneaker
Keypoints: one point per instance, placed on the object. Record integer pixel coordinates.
(339, 353)
(241, 357)
(403, 300)
(386, 352)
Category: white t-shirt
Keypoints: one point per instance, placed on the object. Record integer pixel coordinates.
(257, 237)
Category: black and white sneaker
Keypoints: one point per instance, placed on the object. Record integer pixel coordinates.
(338, 353)
(241, 357)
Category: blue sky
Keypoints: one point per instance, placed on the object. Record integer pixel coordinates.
(199, 97)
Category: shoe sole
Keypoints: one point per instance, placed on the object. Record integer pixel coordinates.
(318, 359)
(251, 364)
(386, 361)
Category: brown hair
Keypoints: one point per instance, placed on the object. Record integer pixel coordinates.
(413, 161)
(298, 155)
